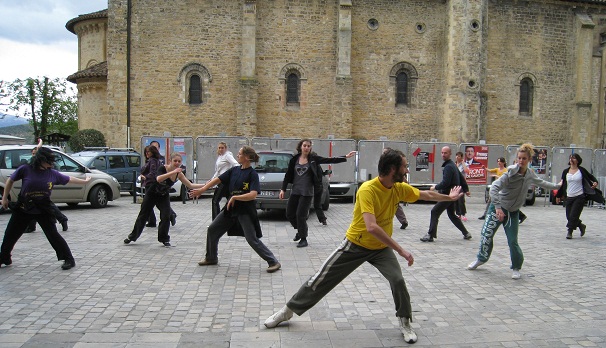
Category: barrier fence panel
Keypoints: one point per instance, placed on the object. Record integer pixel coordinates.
(369, 152)
(478, 156)
(262, 143)
(206, 151)
(560, 156)
(169, 145)
(540, 161)
(425, 162)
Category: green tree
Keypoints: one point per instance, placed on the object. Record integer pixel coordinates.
(84, 138)
(49, 104)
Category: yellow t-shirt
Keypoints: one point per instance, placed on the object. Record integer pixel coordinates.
(498, 171)
(376, 199)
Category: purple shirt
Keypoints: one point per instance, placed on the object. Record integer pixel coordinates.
(38, 184)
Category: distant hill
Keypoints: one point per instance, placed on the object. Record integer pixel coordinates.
(23, 131)
(7, 120)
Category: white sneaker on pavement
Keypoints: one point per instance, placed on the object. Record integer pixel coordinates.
(516, 274)
(475, 265)
(409, 334)
(282, 315)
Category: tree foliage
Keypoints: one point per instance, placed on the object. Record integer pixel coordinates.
(49, 104)
(84, 138)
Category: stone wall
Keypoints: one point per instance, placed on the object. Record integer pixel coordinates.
(466, 86)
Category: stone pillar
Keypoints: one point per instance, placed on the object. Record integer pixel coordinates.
(342, 121)
(466, 59)
(601, 126)
(116, 130)
(584, 125)
(247, 106)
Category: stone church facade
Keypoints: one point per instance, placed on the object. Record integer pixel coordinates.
(503, 71)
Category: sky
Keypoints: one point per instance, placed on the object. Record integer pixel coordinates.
(33, 38)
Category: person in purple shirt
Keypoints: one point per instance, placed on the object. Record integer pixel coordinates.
(34, 203)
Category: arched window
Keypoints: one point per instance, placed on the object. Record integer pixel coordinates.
(402, 85)
(195, 81)
(195, 89)
(526, 96)
(292, 88)
(402, 88)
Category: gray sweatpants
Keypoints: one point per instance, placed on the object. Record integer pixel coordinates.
(344, 260)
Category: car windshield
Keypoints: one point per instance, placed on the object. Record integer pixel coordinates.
(273, 162)
(86, 160)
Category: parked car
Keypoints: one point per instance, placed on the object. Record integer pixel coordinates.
(117, 162)
(98, 191)
(271, 168)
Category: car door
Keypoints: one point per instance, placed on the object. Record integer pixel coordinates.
(69, 192)
(116, 167)
(133, 164)
(11, 160)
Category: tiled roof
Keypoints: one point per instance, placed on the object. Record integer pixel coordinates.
(70, 24)
(97, 70)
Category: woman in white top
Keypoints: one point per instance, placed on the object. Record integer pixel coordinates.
(576, 180)
(225, 160)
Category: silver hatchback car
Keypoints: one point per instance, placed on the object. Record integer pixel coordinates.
(101, 189)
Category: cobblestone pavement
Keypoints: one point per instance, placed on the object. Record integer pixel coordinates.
(146, 295)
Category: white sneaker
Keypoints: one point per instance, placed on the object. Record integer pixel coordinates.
(516, 274)
(409, 334)
(282, 315)
(475, 264)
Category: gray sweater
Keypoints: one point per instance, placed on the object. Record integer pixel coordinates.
(509, 191)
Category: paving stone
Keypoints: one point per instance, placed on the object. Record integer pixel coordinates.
(146, 295)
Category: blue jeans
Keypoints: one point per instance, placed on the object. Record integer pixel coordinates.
(510, 225)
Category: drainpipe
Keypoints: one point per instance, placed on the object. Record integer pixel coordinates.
(128, 43)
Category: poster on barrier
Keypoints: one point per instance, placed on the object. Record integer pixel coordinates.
(476, 158)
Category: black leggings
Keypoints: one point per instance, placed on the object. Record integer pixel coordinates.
(149, 201)
(297, 212)
(16, 226)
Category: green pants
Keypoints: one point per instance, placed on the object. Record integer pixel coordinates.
(344, 260)
(510, 225)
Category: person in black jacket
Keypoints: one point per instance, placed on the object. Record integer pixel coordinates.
(304, 175)
(576, 182)
(451, 177)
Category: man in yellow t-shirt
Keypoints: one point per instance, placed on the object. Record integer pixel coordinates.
(368, 239)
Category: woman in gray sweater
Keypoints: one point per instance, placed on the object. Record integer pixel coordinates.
(508, 194)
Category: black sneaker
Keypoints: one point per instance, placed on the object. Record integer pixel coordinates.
(582, 228)
(64, 225)
(166, 244)
(67, 264)
(522, 218)
(324, 222)
(302, 243)
(150, 225)
(467, 236)
(173, 219)
(126, 241)
(297, 237)
(404, 225)
(482, 217)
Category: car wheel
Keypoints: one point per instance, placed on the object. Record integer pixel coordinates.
(531, 200)
(73, 204)
(98, 197)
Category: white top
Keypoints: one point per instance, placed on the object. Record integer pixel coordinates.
(224, 162)
(575, 184)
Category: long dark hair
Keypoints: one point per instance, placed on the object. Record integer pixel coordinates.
(154, 152)
(301, 144)
(577, 157)
(43, 155)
